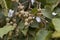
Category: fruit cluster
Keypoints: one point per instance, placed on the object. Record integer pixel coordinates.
(26, 16)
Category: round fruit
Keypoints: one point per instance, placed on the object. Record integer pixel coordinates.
(22, 11)
(21, 7)
(19, 15)
(39, 9)
(11, 22)
(8, 23)
(7, 19)
(26, 20)
(17, 0)
(26, 23)
(15, 24)
(14, 20)
(30, 18)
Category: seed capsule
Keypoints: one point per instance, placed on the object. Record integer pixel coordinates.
(21, 7)
(26, 23)
(22, 12)
(47, 21)
(39, 9)
(30, 14)
(18, 6)
(26, 20)
(17, 30)
(19, 15)
(11, 22)
(30, 18)
(8, 23)
(7, 19)
(26, 15)
(17, 0)
(31, 21)
(15, 24)
(14, 20)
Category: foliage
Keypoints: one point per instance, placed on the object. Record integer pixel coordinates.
(23, 25)
(5, 30)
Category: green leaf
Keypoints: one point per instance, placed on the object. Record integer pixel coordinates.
(31, 37)
(43, 35)
(8, 2)
(6, 29)
(51, 4)
(57, 10)
(34, 11)
(4, 5)
(35, 24)
(56, 34)
(24, 31)
(56, 22)
(21, 25)
(52, 1)
(22, 28)
(2, 20)
(47, 13)
(49, 8)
